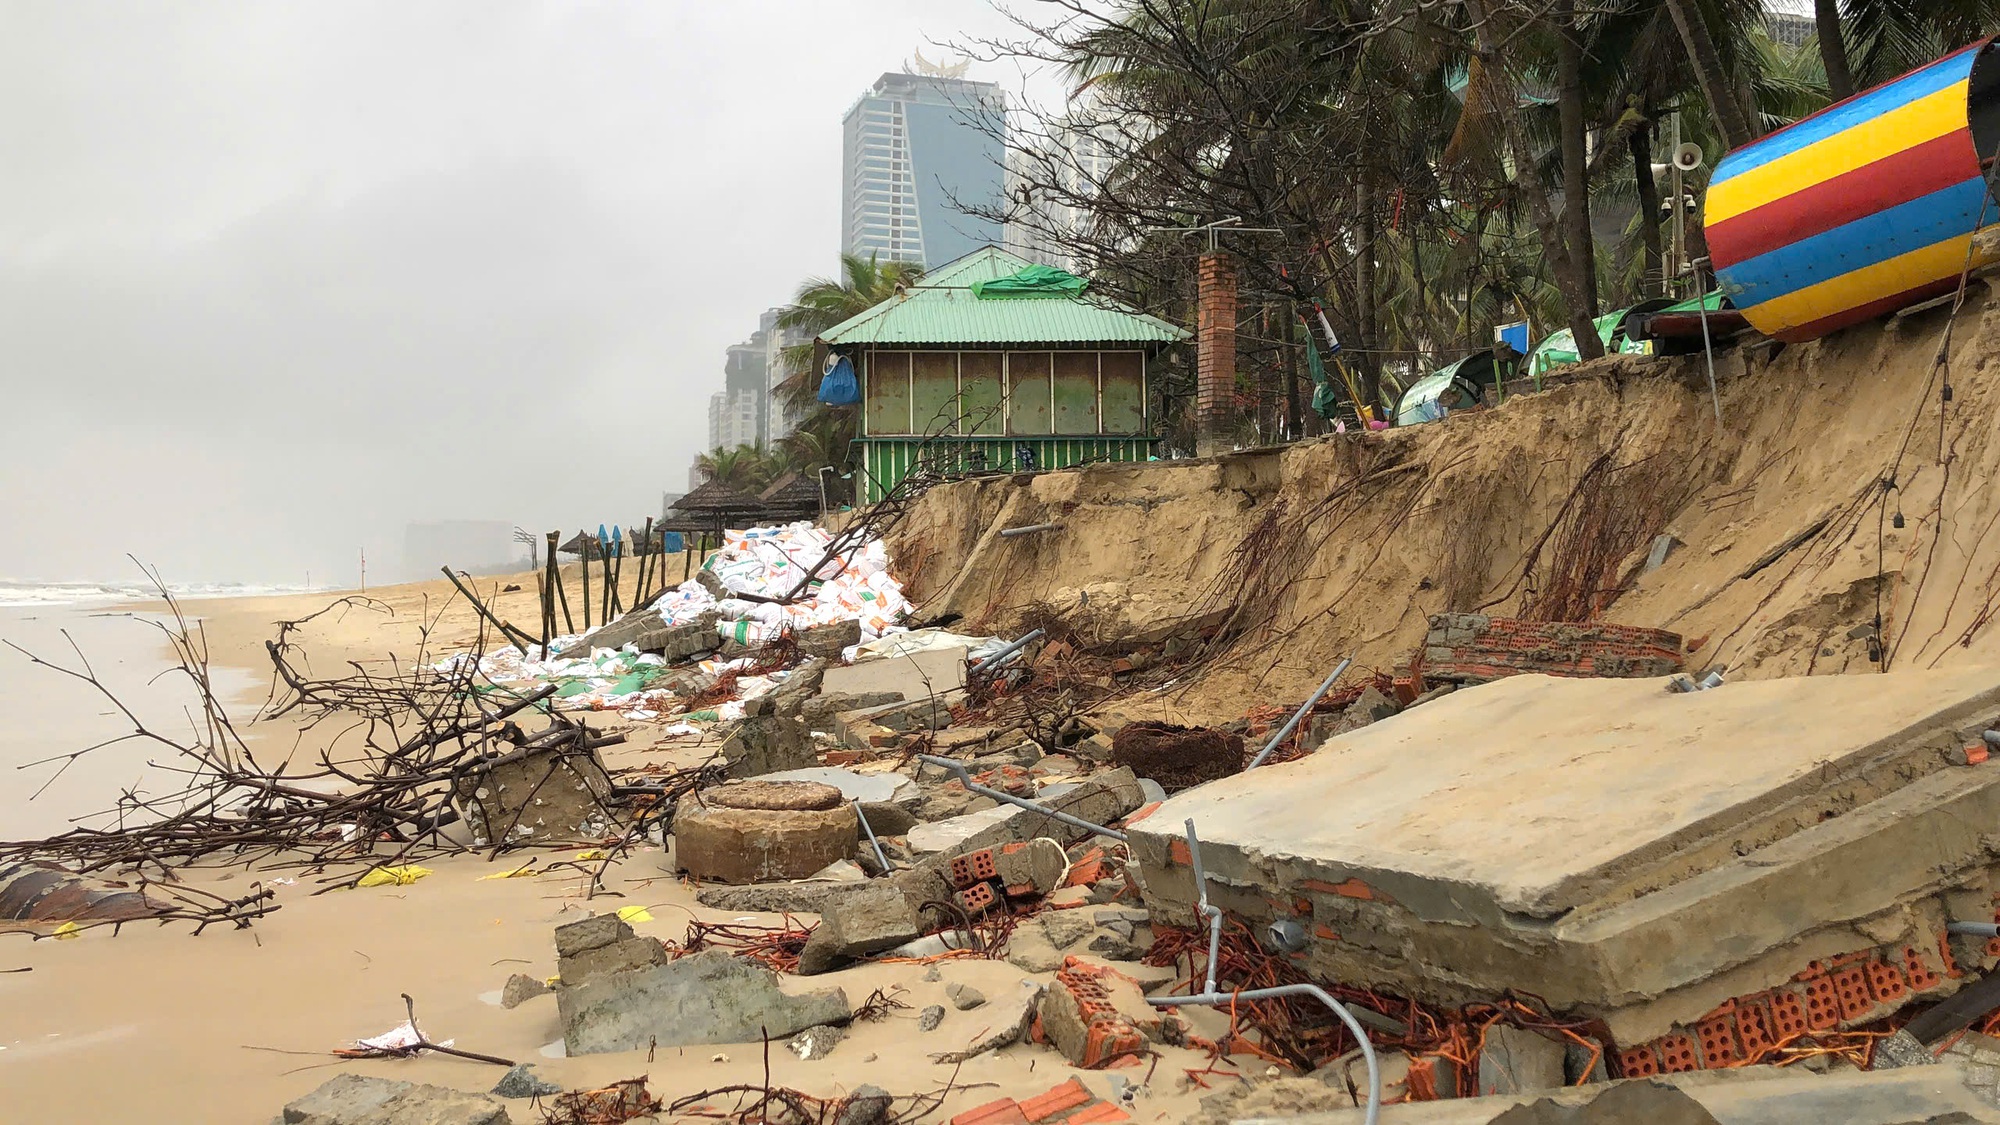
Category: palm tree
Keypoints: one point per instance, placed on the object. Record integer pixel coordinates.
(1862, 42)
(739, 468)
(822, 303)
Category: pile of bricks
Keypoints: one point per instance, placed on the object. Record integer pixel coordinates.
(1842, 992)
(1016, 873)
(1472, 648)
(1082, 1014)
(1071, 1103)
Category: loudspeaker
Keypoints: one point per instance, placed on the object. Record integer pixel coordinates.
(1687, 157)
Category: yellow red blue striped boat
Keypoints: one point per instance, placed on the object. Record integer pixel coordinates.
(1864, 207)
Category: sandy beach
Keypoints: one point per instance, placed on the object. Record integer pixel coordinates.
(230, 1025)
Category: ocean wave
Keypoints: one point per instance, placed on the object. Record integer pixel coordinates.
(16, 593)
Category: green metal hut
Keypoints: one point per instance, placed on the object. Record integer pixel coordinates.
(991, 362)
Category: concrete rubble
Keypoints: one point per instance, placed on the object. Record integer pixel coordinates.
(708, 997)
(351, 1099)
(1714, 872)
(1519, 837)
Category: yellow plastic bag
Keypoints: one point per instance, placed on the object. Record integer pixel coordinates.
(594, 853)
(68, 931)
(401, 875)
(635, 914)
(525, 871)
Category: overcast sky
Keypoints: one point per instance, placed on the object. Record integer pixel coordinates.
(278, 278)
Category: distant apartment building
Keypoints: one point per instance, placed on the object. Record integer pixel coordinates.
(783, 420)
(1049, 184)
(1789, 22)
(740, 413)
(918, 149)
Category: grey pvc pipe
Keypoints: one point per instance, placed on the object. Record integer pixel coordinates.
(1213, 998)
(1213, 914)
(880, 856)
(1210, 997)
(1010, 532)
(1974, 929)
(1298, 716)
(994, 660)
(958, 769)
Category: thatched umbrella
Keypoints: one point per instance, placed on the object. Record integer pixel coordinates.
(793, 496)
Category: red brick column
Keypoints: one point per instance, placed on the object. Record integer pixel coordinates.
(1215, 349)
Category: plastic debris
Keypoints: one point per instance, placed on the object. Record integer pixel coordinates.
(401, 875)
(634, 914)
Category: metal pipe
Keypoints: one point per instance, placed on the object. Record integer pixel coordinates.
(1010, 532)
(1213, 914)
(1285, 731)
(958, 769)
(994, 660)
(1213, 998)
(879, 855)
(1974, 929)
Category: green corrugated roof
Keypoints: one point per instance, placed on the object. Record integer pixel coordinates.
(941, 309)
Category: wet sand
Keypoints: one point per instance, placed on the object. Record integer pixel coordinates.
(230, 1025)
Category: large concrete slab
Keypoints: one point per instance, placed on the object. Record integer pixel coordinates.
(1607, 845)
(1527, 791)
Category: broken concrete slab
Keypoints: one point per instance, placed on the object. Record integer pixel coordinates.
(594, 932)
(874, 917)
(955, 832)
(521, 988)
(963, 996)
(520, 1082)
(821, 708)
(763, 744)
(774, 898)
(916, 675)
(815, 1042)
(708, 997)
(1513, 1060)
(763, 830)
(1009, 1020)
(351, 1099)
(618, 957)
(1807, 819)
(548, 794)
(342, 1098)
(1757, 1095)
(829, 641)
(865, 787)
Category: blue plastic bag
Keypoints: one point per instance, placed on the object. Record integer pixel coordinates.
(837, 385)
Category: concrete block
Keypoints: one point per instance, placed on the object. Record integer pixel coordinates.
(916, 675)
(1517, 1061)
(708, 997)
(543, 795)
(594, 932)
(618, 957)
(876, 917)
(764, 744)
(760, 831)
(342, 1098)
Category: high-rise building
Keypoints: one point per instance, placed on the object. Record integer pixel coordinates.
(1052, 181)
(1789, 22)
(918, 150)
(776, 340)
(740, 413)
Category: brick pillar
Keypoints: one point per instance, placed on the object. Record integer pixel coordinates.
(1215, 350)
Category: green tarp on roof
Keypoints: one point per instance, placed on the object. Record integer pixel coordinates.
(1032, 283)
(942, 309)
